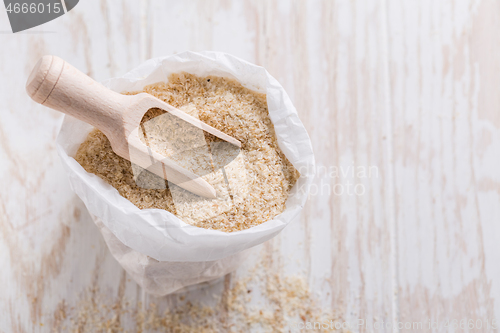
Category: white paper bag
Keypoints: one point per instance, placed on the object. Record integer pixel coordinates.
(161, 252)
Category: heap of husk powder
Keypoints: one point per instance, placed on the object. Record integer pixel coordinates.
(252, 183)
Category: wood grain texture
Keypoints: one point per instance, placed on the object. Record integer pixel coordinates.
(406, 91)
(444, 87)
(51, 252)
(344, 239)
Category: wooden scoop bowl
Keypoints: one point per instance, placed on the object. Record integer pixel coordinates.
(58, 85)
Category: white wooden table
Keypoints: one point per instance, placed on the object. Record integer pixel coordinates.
(409, 88)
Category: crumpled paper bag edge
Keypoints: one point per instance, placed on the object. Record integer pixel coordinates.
(185, 238)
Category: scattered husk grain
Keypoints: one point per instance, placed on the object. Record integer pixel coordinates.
(256, 301)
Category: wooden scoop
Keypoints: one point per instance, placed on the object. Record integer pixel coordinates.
(60, 86)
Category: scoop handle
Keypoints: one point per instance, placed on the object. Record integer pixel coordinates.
(58, 85)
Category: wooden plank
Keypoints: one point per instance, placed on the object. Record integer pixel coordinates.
(50, 251)
(444, 88)
(329, 57)
(345, 116)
